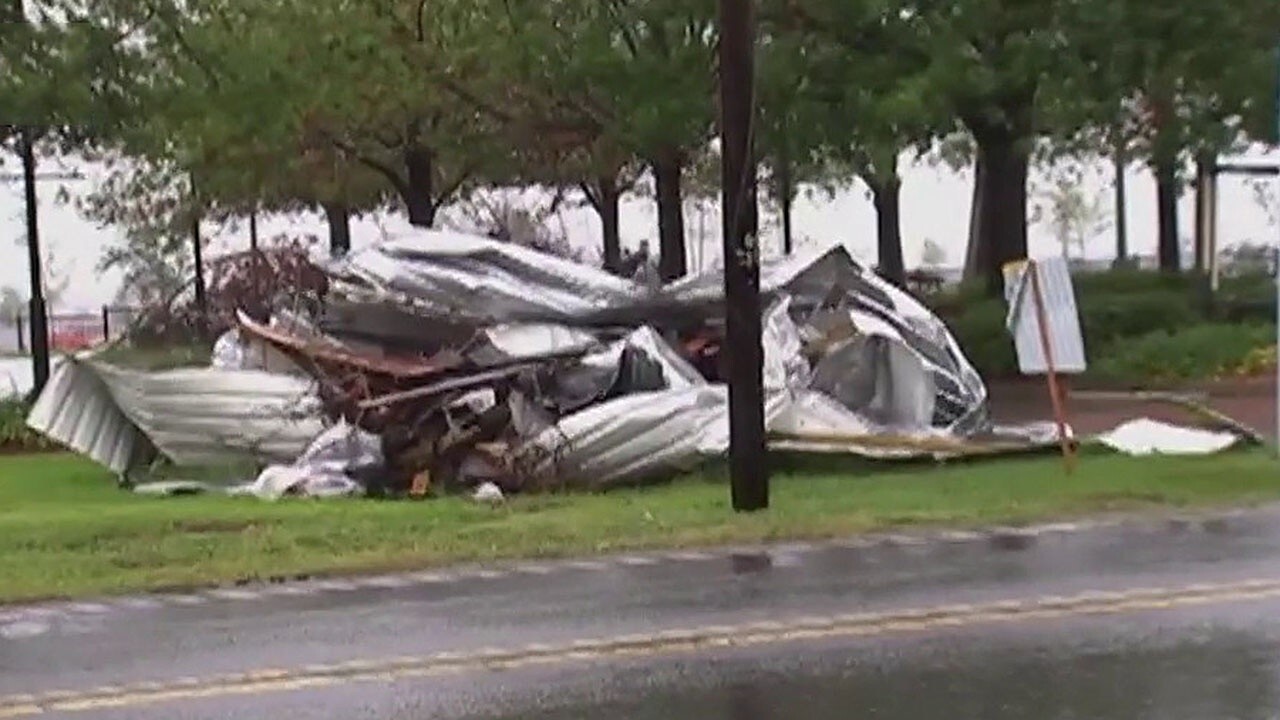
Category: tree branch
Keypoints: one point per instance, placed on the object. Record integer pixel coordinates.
(614, 9)
(185, 46)
(590, 194)
(422, 21)
(385, 169)
(450, 189)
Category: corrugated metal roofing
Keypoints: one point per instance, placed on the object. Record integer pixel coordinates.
(119, 417)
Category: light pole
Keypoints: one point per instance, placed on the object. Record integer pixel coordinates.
(37, 306)
(748, 456)
(39, 317)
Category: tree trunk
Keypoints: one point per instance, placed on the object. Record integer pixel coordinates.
(253, 231)
(609, 200)
(972, 255)
(1002, 222)
(1121, 163)
(197, 256)
(786, 199)
(419, 197)
(1166, 172)
(339, 219)
(1204, 167)
(667, 166)
(886, 194)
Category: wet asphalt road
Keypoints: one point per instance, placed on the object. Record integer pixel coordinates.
(1215, 658)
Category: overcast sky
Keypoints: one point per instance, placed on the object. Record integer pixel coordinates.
(935, 205)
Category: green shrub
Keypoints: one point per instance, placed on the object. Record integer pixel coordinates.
(1246, 299)
(1196, 352)
(1106, 317)
(1129, 281)
(1117, 309)
(981, 333)
(15, 436)
(979, 327)
(158, 358)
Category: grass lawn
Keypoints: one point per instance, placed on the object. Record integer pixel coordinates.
(66, 530)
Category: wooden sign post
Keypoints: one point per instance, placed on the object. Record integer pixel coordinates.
(1048, 338)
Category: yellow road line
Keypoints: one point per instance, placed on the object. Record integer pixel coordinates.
(270, 680)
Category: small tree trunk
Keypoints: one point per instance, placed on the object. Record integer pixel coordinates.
(419, 198)
(197, 256)
(886, 194)
(610, 200)
(1166, 171)
(972, 255)
(1204, 168)
(1002, 223)
(1121, 163)
(339, 219)
(786, 199)
(667, 166)
(253, 231)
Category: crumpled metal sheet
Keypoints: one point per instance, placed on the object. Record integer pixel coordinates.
(534, 340)
(637, 437)
(437, 277)
(119, 418)
(845, 351)
(639, 362)
(466, 279)
(880, 375)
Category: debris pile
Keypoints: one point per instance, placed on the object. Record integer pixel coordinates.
(442, 362)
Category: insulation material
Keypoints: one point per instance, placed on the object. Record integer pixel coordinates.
(1145, 436)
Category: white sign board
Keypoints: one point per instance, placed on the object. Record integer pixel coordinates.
(1057, 304)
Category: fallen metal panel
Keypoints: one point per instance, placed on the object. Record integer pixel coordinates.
(76, 410)
(636, 437)
(193, 416)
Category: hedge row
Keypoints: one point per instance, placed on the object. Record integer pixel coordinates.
(1138, 326)
(15, 436)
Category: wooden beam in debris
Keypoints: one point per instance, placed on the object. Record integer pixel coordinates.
(460, 383)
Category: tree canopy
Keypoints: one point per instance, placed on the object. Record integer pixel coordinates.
(221, 108)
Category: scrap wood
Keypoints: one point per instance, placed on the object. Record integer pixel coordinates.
(457, 383)
(330, 355)
(934, 444)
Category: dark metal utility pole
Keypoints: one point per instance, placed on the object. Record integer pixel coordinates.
(38, 325)
(748, 466)
(39, 315)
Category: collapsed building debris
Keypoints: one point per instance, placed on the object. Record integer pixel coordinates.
(472, 363)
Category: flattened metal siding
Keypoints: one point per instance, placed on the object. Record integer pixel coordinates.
(116, 416)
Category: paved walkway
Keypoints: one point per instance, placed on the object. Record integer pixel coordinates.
(1248, 401)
